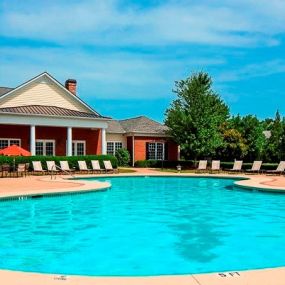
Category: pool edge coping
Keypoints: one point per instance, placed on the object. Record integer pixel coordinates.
(247, 182)
(239, 277)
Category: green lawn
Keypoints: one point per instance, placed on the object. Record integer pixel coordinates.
(126, 170)
(174, 170)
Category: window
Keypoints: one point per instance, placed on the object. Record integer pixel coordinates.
(155, 151)
(78, 147)
(8, 142)
(49, 148)
(45, 147)
(112, 147)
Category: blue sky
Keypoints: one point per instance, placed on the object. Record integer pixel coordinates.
(126, 55)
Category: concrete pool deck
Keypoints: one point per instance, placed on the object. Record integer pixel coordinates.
(40, 185)
(274, 276)
(35, 185)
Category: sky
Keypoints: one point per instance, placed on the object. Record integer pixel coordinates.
(126, 55)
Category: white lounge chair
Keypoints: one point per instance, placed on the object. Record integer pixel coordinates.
(96, 166)
(64, 165)
(237, 167)
(202, 166)
(37, 167)
(255, 167)
(108, 166)
(83, 166)
(51, 166)
(279, 170)
(216, 165)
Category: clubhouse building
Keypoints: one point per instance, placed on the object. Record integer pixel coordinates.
(48, 118)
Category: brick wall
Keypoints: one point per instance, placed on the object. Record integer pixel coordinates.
(140, 147)
(172, 150)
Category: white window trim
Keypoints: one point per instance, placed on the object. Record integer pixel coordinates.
(44, 146)
(11, 139)
(114, 143)
(155, 150)
(75, 142)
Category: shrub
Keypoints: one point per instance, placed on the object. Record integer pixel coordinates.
(72, 160)
(186, 164)
(123, 157)
(190, 164)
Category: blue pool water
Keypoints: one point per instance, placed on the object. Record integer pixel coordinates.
(145, 226)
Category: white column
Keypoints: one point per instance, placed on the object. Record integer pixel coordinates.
(103, 141)
(33, 139)
(69, 142)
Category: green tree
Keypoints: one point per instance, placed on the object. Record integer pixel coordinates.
(282, 146)
(196, 116)
(234, 146)
(274, 145)
(251, 130)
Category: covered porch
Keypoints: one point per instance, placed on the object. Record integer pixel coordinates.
(54, 135)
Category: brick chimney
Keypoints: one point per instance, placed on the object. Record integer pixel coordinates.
(70, 84)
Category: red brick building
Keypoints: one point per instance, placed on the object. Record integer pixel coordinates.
(143, 137)
(48, 118)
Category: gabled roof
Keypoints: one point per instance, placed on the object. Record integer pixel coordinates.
(57, 83)
(48, 111)
(4, 90)
(142, 124)
(139, 125)
(114, 127)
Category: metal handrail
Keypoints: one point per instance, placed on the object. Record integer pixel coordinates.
(64, 171)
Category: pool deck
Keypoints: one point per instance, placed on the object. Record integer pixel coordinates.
(43, 185)
(275, 276)
(40, 185)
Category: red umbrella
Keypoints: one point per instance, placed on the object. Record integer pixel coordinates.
(14, 150)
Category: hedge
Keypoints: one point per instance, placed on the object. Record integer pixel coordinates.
(72, 160)
(186, 164)
(190, 164)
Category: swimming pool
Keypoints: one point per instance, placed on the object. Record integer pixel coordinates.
(145, 226)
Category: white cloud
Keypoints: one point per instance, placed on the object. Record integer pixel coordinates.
(261, 69)
(109, 75)
(117, 23)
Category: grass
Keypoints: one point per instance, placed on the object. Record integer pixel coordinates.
(126, 170)
(172, 170)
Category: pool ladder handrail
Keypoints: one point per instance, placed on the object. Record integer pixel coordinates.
(59, 168)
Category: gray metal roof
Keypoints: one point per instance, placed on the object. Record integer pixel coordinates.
(4, 90)
(48, 111)
(140, 124)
